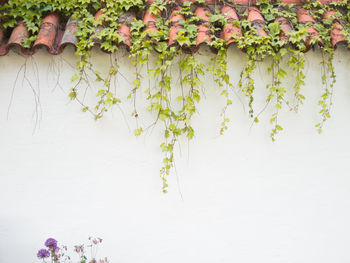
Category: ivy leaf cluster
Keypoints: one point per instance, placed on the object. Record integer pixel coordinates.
(175, 114)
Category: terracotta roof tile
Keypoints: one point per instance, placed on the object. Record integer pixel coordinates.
(150, 21)
(99, 28)
(48, 33)
(124, 29)
(230, 32)
(68, 37)
(285, 27)
(257, 20)
(18, 35)
(54, 34)
(337, 34)
(175, 17)
(203, 34)
(305, 18)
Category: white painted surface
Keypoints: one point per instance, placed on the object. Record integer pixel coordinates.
(245, 199)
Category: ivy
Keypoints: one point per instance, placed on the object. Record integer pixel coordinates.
(175, 114)
(324, 26)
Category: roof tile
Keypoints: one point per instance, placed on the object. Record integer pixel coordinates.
(47, 34)
(17, 37)
(257, 20)
(285, 27)
(175, 17)
(55, 36)
(337, 34)
(150, 20)
(124, 29)
(203, 34)
(230, 31)
(69, 37)
(305, 18)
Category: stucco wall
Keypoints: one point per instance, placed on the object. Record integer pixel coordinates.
(235, 198)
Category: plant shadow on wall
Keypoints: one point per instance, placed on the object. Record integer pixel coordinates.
(172, 32)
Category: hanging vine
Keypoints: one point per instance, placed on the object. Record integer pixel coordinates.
(326, 15)
(277, 36)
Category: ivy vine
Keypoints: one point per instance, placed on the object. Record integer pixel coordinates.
(99, 23)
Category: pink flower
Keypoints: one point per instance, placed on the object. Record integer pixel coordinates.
(79, 249)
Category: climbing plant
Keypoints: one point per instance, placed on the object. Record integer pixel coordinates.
(278, 37)
(325, 25)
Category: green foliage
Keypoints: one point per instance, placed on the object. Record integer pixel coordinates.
(324, 27)
(260, 41)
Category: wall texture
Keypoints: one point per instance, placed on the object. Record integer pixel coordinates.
(234, 198)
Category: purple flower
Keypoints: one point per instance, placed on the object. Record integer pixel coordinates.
(51, 243)
(43, 253)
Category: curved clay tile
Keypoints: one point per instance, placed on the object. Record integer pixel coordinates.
(229, 13)
(17, 36)
(99, 28)
(257, 20)
(330, 15)
(47, 33)
(230, 29)
(150, 21)
(203, 33)
(98, 14)
(175, 17)
(337, 34)
(305, 18)
(68, 36)
(285, 27)
(202, 14)
(124, 29)
(254, 14)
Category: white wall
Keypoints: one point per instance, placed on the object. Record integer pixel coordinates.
(244, 198)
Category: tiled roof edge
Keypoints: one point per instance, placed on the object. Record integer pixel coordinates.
(55, 38)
